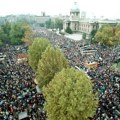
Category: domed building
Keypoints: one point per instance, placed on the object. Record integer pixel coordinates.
(75, 8)
(78, 22)
(73, 20)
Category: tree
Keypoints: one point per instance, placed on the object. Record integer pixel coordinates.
(93, 32)
(13, 33)
(54, 23)
(116, 37)
(5, 32)
(68, 30)
(52, 61)
(3, 36)
(69, 96)
(48, 23)
(108, 35)
(1, 43)
(84, 36)
(16, 34)
(28, 35)
(6, 27)
(35, 51)
(59, 23)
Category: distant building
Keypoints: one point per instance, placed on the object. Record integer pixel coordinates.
(42, 19)
(86, 26)
(74, 19)
(78, 22)
(83, 15)
(42, 13)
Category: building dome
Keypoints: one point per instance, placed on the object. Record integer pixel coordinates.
(75, 8)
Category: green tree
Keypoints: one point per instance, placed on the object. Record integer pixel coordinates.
(84, 36)
(16, 34)
(69, 96)
(3, 36)
(58, 23)
(13, 33)
(42, 25)
(1, 43)
(93, 32)
(50, 24)
(108, 35)
(35, 51)
(68, 30)
(6, 27)
(5, 32)
(116, 37)
(52, 61)
(54, 23)
(28, 34)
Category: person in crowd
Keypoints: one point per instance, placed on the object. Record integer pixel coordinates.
(18, 91)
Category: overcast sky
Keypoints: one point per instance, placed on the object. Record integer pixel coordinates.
(106, 8)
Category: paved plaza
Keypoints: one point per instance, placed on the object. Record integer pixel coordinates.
(75, 36)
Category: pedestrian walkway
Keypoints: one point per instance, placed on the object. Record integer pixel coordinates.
(76, 36)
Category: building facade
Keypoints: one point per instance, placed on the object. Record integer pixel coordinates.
(78, 22)
(73, 20)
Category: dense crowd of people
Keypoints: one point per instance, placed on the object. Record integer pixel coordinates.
(106, 79)
(107, 82)
(18, 91)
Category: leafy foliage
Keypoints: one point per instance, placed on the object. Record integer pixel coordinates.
(1, 43)
(58, 23)
(28, 35)
(3, 36)
(54, 23)
(84, 35)
(52, 61)
(16, 34)
(93, 33)
(50, 24)
(68, 30)
(35, 51)
(69, 96)
(13, 33)
(108, 35)
(5, 29)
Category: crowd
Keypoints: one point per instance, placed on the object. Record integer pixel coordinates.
(106, 80)
(18, 91)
